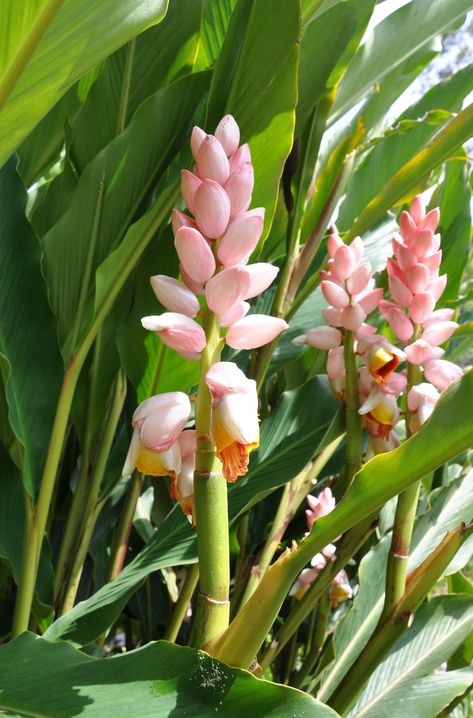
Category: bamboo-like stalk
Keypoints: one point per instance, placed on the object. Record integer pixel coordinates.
(180, 609)
(353, 419)
(323, 615)
(210, 495)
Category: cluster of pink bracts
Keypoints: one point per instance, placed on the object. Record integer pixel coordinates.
(214, 248)
(415, 286)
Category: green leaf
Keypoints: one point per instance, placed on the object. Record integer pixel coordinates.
(109, 195)
(49, 44)
(28, 344)
(215, 19)
(412, 26)
(160, 679)
(455, 223)
(175, 541)
(398, 147)
(449, 506)
(255, 79)
(148, 63)
(396, 689)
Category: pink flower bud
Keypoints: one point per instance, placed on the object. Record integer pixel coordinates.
(440, 315)
(241, 237)
(179, 219)
(212, 162)
(417, 210)
(423, 243)
(400, 324)
(196, 287)
(407, 227)
(194, 254)
(234, 314)
(418, 352)
(369, 301)
(319, 506)
(335, 363)
(344, 262)
(404, 255)
(399, 292)
(239, 157)
(320, 337)
(226, 289)
(177, 331)
(433, 263)
(332, 316)
(174, 295)
(189, 185)
(421, 401)
(417, 278)
(334, 294)
(254, 331)
(357, 247)
(431, 220)
(228, 133)
(421, 307)
(211, 209)
(239, 187)
(439, 332)
(441, 373)
(333, 243)
(224, 377)
(393, 269)
(353, 317)
(359, 279)
(197, 137)
(261, 275)
(437, 286)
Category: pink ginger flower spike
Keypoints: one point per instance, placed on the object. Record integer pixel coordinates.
(179, 332)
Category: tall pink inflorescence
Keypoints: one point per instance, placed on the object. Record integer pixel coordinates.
(214, 244)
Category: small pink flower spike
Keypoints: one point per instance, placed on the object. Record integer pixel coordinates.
(334, 294)
(212, 162)
(439, 332)
(344, 262)
(319, 506)
(239, 187)
(441, 373)
(353, 317)
(333, 242)
(189, 185)
(239, 157)
(179, 219)
(228, 133)
(254, 331)
(174, 295)
(262, 275)
(234, 314)
(226, 289)
(197, 137)
(241, 238)
(417, 210)
(320, 337)
(421, 307)
(211, 209)
(177, 331)
(194, 254)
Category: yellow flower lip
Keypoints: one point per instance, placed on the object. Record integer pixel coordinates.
(381, 363)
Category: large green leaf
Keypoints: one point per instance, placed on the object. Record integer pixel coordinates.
(174, 542)
(110, 194)
(395, 39)
(449, 507)
(29, 357)
(395, 688)
(48, 44)
(397, 148)
(215, 19)
(255, 79)
(44, 679)
(148, 63)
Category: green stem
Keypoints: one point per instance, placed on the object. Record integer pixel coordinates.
(93, 505)
(180, 609)
(210, 494)
(353, 419)
(126, 84)
(396, 570)
(123, 531)
(323, 615)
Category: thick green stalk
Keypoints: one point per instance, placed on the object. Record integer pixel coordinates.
(419, 584)
(180, 609)
(210, 494)
(396, 570)
(323, 615)
(353, 419)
